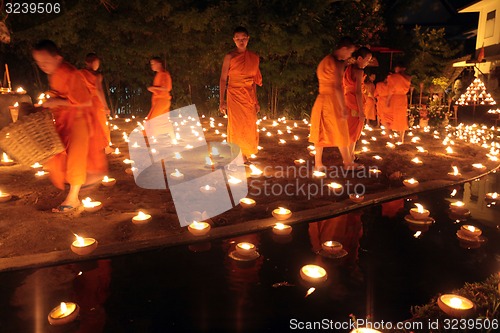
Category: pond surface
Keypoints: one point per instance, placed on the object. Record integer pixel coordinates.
(383, 270)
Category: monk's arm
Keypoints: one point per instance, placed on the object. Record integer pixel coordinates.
(223, 82)
(100, 94)
(358, 76)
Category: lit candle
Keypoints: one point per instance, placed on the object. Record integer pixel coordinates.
(108, 182)
(458, 207)
(255, 172)
(135, 145)
(36, 166)
(245, 249)
(127, 161)
(319, 174)
(41, 173)
(410, 183)
(356, 197)
(207, 189)
(455, 174)
(247, 203)
(417, 161)
(83, 246)
(282, 214)
(91, 206)
(20, 90)
(421, 150)
(64, 313)
(419, 213)
(299, 162)
(177, 175)
(6, 160)
(479, 166)
(332, 247)
(492, 196)
(449, 150)
(282, 229)
(313, 273)
(215, 151)
(334, 186)
(117, 152)
(4, 197)
(377, 157)
(471, 231)
(233, 180)
(455, 306)
(199, 228)
(141, 218)
(375, 171)
(177, 155)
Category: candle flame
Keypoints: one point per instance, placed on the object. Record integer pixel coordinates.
(455, 302)
(453, 193)
(455, 170)
(416, 160)
(254, 170)
(247, 201)
(64, 308)
(279, 226)
(417, 234)
(199, 225)
(420, 208)
(310, 291)
(449, 150)
(334, 185)
(105, 179)
(282, 210)
(80, 240)
(5, 158)
(245, 246)
(141, 215)
(233, 180)
(471, 228)
(458, 204)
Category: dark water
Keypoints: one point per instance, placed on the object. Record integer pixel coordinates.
(201, 289)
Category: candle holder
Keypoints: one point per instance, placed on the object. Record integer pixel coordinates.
(313, 274)
(318, 174)
(419, 213)
(282, 214)
(108, 182)
(199, 228)
(83, 246)
(471, 231)
(63, 314)
(332, 247)
(299, 162)
(245, 249)
(356, 198)
(281, 229)
(91, 206)
(492, 196)
(4, 197)
(456, 306)
(141, 218)
(458, 208)
(410, 183)
(247, 203)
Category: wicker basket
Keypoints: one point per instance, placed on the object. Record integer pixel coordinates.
(31, 139)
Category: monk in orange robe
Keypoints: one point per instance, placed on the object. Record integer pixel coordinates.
(241, 73)
(329, 113)
(354, 97)
(93, 79)
(398, 85)
(369, 92)
(70, 101)
(381, 94)
(161, 99)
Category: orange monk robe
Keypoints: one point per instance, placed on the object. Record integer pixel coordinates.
(381, 94)
(93, 80)
(354, 122)
(398, 85)
(244, 74)
(328, 127)
(76, 127)
(369, 91)
(160, 102)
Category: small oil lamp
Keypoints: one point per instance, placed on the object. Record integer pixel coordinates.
(245, 249)
(417, 161)
(299, 162)
(458, 207)
(313, 273)
(282, 214)
(141, 218)
(332, 247)
(471, 231)
(319, 174)
(108, 182)
(4, 197)
(64, 313)
(255, 172)
(492, 196)
(419, 213)
(356, 197)
(199, 228)
(455, 306)
(247, 202)
(83, 246)
(455, 174)
(410, 183)
(91, 206)
(282, 229)
(6, 160)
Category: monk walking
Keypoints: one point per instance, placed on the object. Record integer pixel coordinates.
(369, 92)
(93, 79)
(398, 85)
(354, 97)
(241, 73)
(160, 101)
(329, 113)
(70, 101)
(381, 96)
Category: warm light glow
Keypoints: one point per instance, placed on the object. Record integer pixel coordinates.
(255, 171)
(458, 204)
(282, 210)
(314, 271)
(334, 185)
(142, 216)
(478, 166)
(310, 291)
(420, 208)
(449, 150)
(319, 174)
(416, 160)
(377, 157)
(233, 180)
(199, 225)
(80, 240)
(417, 234)
(6, 158)
(471, 228)
(455, 171)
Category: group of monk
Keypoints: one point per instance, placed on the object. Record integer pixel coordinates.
(338, 115)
